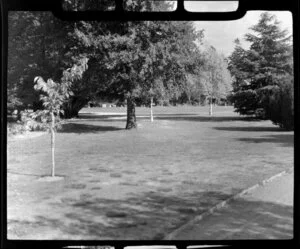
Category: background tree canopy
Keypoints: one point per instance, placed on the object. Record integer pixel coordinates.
(127, 61)
(263, 74)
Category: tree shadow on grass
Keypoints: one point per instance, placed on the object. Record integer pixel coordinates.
(269, 220)
(153, 215)
(150, 215)
(205, 118)
(168, 117)
(244, 219)
(24, 174)
(98, 116)
(249, 128)
(85, 128)
(284, 139)
(120, 118)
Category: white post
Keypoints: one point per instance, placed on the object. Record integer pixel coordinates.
(211, 107)
(53, 143)
(151, 110)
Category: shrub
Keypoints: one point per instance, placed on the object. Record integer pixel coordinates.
(15, 128)
(278, 103)
(260, 113)
(33, 121)
(29, 121)
(245, 102)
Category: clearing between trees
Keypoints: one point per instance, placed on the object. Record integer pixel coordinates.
(141, 183)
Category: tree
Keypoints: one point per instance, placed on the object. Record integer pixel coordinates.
(55, 95)
(278, 102)
(38, 44)
(145, 53)
(84, 5)
(244, 98)
(261, 67)
(194, 90)
(214, 76)
(125, 58)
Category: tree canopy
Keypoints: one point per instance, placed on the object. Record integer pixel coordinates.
(263, 67)
(130, 61)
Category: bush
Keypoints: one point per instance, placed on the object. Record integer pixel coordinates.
(260, 113)
(245, 102)
(15, 128)
(30, 121)
(279, 104)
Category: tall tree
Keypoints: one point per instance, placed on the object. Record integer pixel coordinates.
(38, 44)
(215, 76)
(262, 66)
(125, 58)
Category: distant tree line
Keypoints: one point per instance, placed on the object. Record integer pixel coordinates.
(263, 82)
(138, 62)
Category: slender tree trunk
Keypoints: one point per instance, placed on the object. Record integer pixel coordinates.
(131, 118)
(151, 109)
(53, 144)
(210, 107)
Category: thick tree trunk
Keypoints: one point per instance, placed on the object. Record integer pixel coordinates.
(53, 144)
(131, 118)
(72, 108)
(71, 112)
(151, 109)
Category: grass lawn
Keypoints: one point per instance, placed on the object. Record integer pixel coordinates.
(137, 184)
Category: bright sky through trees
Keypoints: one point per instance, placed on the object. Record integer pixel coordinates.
(221, 34)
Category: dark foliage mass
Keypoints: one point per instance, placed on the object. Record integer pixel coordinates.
(263, 74)
(129, 62)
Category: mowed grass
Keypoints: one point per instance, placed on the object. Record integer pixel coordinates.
(137, 184)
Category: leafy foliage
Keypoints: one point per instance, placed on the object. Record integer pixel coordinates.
(38, 44)
(211, 78)
(126, 60)
(262, 69)
(84, 5)
(278, 102)
(56, 94)
(216, 77)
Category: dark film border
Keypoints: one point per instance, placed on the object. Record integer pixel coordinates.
(120, 15)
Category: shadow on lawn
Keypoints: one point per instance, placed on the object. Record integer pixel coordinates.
(148, 216)
(246, 219)
(168, 117)
(286, 140)
(99, 116)
(197, 118)
(24, 174)
(154, 215)
(85, 128)
(249, 128)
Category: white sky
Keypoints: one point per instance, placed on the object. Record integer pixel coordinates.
(221, 34)
(204, 6)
